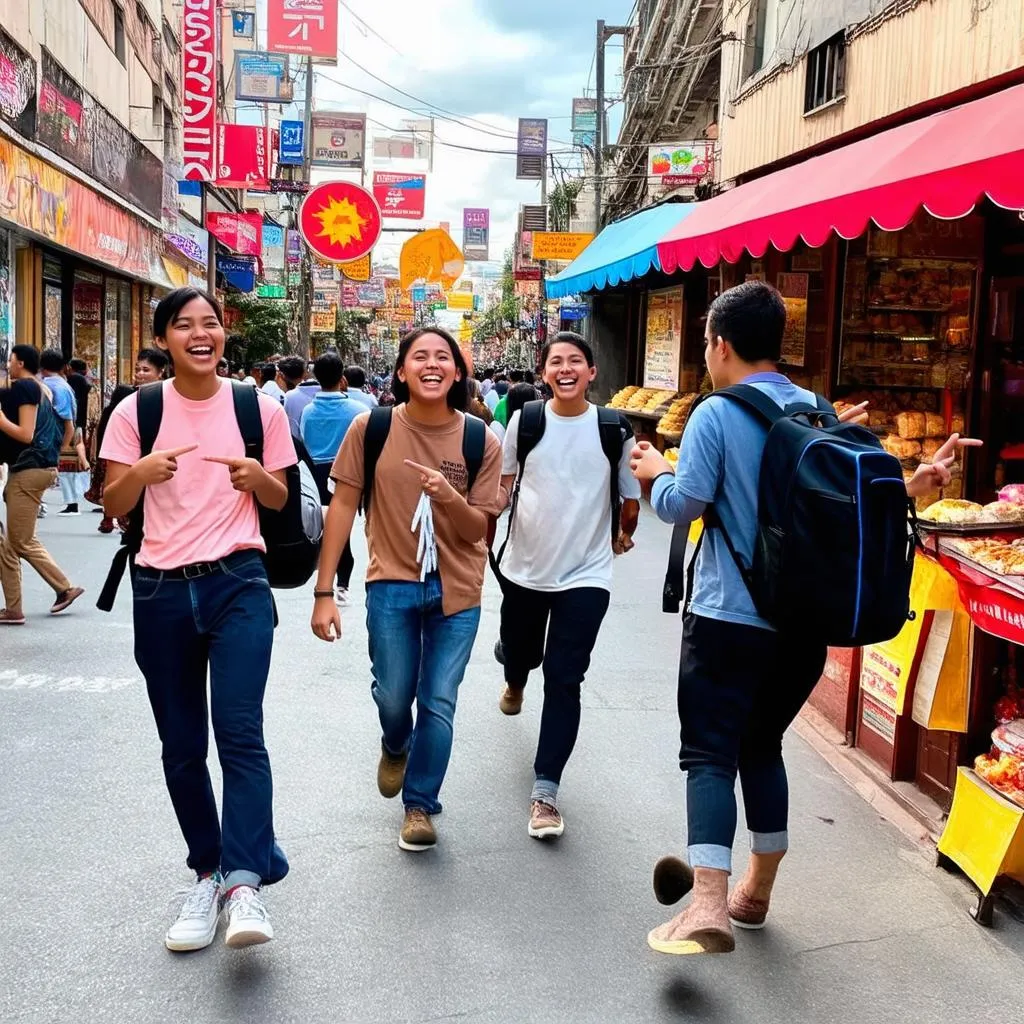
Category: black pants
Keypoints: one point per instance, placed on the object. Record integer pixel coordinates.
(740, 688)
(321, 474)
(570, 621)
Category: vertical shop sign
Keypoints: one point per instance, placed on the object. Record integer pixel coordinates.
(794, 289)
(199, 90)
(338, 139)
(531, 148)
(476, 230)
(273, 247)
(306, 27)
(244, 157)
(584, 121)
(293, 137)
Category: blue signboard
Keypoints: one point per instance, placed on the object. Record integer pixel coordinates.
(292, 143)
(243, 24)
(419, 293)
(574, 311)
(238, 271)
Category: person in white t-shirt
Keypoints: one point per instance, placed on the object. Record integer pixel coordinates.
(556, 568)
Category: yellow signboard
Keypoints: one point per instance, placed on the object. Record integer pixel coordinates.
(323, 321)
(357, 270)
(460, 300)
(559, 245)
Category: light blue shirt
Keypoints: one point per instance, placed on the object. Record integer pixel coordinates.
(64, 403)
(367, 401)
(295, 401)
(325, 422)
(491, 399)
(720, 464)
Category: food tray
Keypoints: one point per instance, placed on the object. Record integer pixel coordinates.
(969, 529)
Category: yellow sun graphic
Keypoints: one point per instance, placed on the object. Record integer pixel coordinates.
(341, 222)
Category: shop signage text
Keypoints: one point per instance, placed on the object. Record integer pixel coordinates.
(400, 195)
(242, 232)
(476, 230)
(244, 157)
(199, 89)
(338, 139)
(307, 27)
(559, 245)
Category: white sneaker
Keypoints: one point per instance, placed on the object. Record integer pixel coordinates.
(248, 923)
(341, 597)
(197, 920)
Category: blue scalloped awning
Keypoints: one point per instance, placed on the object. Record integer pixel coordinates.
(624, 250)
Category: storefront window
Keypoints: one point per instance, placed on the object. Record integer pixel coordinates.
(110, 325)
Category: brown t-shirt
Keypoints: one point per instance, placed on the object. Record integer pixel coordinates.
(396, 493)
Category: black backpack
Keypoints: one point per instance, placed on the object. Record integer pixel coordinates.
(834, 550)
(614, 430)
(474, 437)
(47, 440)
(292, 534)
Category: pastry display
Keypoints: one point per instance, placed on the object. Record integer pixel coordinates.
(674, 420)
(911, 425)
(622, 397)
(953, 512)
(901, 448)
(635, 399)
(999, 557)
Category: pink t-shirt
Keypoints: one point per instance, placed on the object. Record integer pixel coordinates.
(197, 516)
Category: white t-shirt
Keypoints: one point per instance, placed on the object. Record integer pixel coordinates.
(499, 431)
(562, 531)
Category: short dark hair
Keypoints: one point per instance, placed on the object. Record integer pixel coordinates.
(752, 318)
(28, 356)
(517, 397)
(458, 396)
(79, 366)
(328, 370)
(516, 376)
(52, 360)
(268, 372)
(528, 377)
(293, 369)
(356, 377)
(568, 338)
(156, 358)
(174, 302)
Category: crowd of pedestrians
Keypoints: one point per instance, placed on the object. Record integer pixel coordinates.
(429, 471)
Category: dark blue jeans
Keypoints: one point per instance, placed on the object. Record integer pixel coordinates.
(740, 688)
(222, 623)
(418, 654)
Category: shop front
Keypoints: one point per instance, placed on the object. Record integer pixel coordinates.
(76, 269)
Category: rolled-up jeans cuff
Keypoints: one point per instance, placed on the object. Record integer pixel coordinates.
(708, 855)
(769, 842)
(235, 878)
(546, 791)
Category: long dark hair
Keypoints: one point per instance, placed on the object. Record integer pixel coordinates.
(458, 396)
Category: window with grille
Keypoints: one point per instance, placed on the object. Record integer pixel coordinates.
(826, 73)
(120, 49)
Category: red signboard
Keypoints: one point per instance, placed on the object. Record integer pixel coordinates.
(199, 89)
(400, 195)
(307, 27)
(240, 232)
(340, 221)
(244, 157)
(990, 607)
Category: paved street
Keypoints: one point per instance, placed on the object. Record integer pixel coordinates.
(490, 927)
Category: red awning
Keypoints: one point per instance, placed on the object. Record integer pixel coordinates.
(945, 163)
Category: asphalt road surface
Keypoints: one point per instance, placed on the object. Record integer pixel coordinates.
(491, 926)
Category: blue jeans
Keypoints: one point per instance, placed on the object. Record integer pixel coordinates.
(224, 623)
(418, 654)
(740, 688)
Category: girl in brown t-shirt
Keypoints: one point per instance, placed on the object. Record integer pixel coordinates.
(422, 622)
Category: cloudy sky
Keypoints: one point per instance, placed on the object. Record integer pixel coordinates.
(486, 62)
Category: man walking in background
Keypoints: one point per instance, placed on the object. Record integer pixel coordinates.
(299, 390)
(356, 377)
(51, 363)
(269, 385)
(325, 422)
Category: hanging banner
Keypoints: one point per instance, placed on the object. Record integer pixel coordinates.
(680, 163)
(400, 195)
(241, 232)
(273, 247)
(340, 221)
(293, 248)
(559, 245)
(293, 138)
(238, 272)
(244, 157)
(476, 231)
(306, 27)
(338, 139)
(191, 241)
(199, 90)
(371, 293)
(430, 256)
(584, 121)
(357, 270)
(17, 87)
(323, 320)
(262, 77)
(531, 148)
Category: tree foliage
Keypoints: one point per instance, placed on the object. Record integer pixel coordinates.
(261, 330)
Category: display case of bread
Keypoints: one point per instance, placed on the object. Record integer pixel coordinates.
(901, 448)
(911, 425)
(620, 398)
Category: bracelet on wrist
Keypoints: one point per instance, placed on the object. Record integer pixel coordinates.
(323, 593)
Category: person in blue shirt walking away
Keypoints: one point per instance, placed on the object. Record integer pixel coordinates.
(357, 390)
(323, 426)
(741, 683)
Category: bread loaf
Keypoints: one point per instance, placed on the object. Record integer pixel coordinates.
(911, 425)
(935, 425)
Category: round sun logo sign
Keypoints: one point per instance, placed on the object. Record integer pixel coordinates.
(340, 221)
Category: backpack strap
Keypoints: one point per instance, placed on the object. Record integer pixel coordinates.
(149, 411)
(532, 421)
(377, 430)
(474, 440)
(615, 431)
(753, 399)
(250, 422)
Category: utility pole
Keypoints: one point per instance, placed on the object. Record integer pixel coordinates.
(305, 269)
(599, 129)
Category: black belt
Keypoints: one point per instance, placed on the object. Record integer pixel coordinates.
(196, 570)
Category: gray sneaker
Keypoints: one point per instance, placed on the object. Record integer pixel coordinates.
(196, 925)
